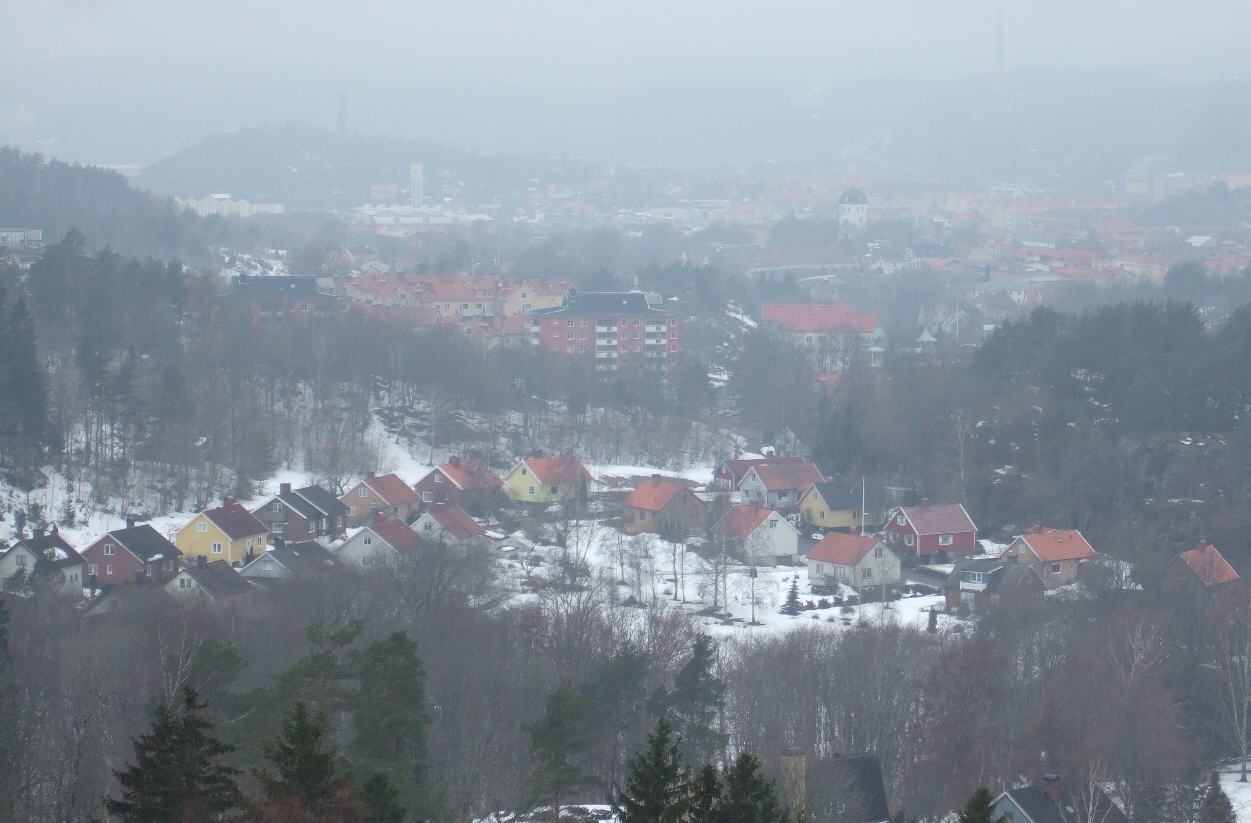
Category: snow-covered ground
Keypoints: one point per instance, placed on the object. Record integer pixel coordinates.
(1239, 793)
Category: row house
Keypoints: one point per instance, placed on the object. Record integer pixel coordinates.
(610, 330)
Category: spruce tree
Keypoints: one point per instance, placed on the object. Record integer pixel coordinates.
(177, 774)
(792, 606)
(391, 712)
(305, 762)
(695, 701)
(705, 796)
(749, 795)
(659, 787)
(558, 741)
(1216, 807)
(381, 800)
(977, 809)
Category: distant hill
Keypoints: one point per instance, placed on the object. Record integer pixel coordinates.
(56, 197)
(311, 169)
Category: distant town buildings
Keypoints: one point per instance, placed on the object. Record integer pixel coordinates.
(223, 205)
(609, 330)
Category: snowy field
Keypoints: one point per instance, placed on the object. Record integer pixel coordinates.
(1239, 793)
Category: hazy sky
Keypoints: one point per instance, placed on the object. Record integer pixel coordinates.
(82, 70)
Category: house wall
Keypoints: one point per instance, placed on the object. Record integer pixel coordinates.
(361, 506)
(266, 568)
(897, 536)
(816, 513)
(366, 550)
(752, 489)
(520, 481)
(194, 543)
(435, 487)
(125, 565)
(885, 570)
(286, 523)
(1068, 570)
(684, 512)
(1006, 809)
(767, 543)
(20, 559)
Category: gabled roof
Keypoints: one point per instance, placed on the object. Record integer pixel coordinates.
(1054, 545)
(235, 520)
(818, 318)
(738, 468)
(145, 543)
(1042, 807)
(391, 489)
(653, 495)
(838, 495)
(557, 470)
(779, 476)
(308, 556)
(467, 475)
(455, 521)
(1209, 565)
(1001, 577)
(843, 549)
(950, 518)
(219, 579)
(395, 533)
(741, 521)
(52, 548)
(323, 501)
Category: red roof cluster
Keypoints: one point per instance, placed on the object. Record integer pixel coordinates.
(653, 494)
(455, 521)
(391, 489)
(818, 318)
(1209, 565)
(741, 521)
(1054, 545)
(557, 470)
(843, 549)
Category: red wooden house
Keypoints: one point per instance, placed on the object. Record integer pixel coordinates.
(469, 484)
(928, 530)
(131, 555)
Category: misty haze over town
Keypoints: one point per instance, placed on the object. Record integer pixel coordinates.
(556, 412)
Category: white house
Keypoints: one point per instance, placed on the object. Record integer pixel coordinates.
(855, 561)
(757, 535)
(446, 523)
(382, 542)
(778, 485)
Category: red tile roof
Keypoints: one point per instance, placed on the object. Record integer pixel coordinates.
(470, 474)
(455, 521)
(235, 520)
(395, 532)
(653, 495)
(844, 549)
(818, 318)
(391, 489)
(1209, 565)
(741, 521)
(738, 468)
(559, 470)
(946, 519)
(1054, 545)
(799, 475)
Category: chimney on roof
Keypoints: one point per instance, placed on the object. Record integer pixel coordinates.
(130, 522)
(228, 502)
(55, 529)
(284, 488)
(39, 532)
(369, 474)
(656, 477)
(454, 460)
(925, 501)
(1051, 787)
(201, 561)
(279, 542)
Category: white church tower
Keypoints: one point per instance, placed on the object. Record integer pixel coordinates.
(853, 212)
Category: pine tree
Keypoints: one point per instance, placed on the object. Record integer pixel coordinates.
(792, 606)
(305, 762)
(381, 800)
(25, 435)
(749, 795)
(695, 701)
(659, 787)
(557, 740)
(705, 796)
(1216, 807)
(391, 712)
(977, 809)
(177, 774)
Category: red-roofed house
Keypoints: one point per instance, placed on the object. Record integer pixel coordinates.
(386, 493)
(928, 529)
(756, 535)
(447, 523)
(832, 335)
(1204, 564)
(469, 484)
(548, 480)
(729, 473)
(384, 541)
(777, 485)
(1056, 554)
(662, 507)
(229, 532)
(852, 560)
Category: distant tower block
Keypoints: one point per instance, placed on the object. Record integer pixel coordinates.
(416, 184)
(853, 212)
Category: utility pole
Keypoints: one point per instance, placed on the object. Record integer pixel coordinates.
(752, 574)
(863, 498)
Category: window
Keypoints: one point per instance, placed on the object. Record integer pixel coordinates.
(865, 574)
(532, 490)
(570, 324)
(582, 335)
(217, 548)
(438, 477)
(427, 497)
(524, 471)
(362, 492)
(555, 489)
(277, 507)
(110, 549)
(571, 336)
(525, 307)
(821, 514)
(842, 572)
(773, 524)
(638, 322)
(351, 511)
(944, 540)
(168, 565)
(108, 569)
(184, 582)
(900, 519)
(582, 323)
(201, 526)
(427, 527)
(569, 349)
(673, 335)
(93, 569)
(877, 550)
(21, 561)
(464, 305)
(894, 538)
(368, 540)
(367, 561)
(1055, 568)
(636, 335)
(908, 541)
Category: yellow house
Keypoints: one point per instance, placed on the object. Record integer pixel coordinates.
(229, 532)
(526, 296)
(834, 505)
(548, 480)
